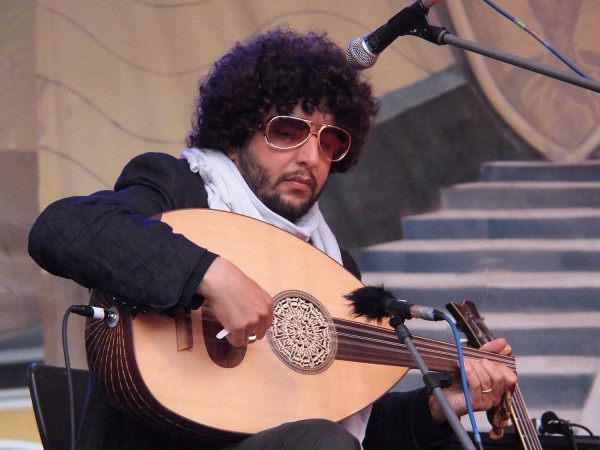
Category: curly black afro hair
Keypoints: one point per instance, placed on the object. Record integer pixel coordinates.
(277, 70)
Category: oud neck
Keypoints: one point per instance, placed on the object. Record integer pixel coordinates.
(366, 343)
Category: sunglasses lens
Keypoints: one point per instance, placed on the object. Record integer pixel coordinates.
(287, 132)
(334, 143)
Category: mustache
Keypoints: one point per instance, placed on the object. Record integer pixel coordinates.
(298, 173)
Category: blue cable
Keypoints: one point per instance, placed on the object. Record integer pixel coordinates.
(463, 377)
(539, 38)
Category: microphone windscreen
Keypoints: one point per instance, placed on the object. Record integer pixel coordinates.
(369, 302)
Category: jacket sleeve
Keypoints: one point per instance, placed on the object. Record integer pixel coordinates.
(108, 241)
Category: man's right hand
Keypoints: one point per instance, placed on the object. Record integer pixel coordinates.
(237, 301)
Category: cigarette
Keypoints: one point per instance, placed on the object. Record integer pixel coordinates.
(221, 334)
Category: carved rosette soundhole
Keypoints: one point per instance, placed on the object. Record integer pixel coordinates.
(302, 334)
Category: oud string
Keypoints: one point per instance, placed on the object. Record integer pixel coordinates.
(520, 413)
(356, 333)
(523, 422)
(430, 347)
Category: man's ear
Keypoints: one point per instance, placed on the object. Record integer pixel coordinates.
(231, 153)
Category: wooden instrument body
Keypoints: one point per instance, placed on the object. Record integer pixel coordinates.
(138, 366)
(317, 362)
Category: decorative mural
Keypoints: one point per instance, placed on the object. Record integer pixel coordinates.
(559, 119)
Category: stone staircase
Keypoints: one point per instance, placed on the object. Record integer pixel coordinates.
(523, 243)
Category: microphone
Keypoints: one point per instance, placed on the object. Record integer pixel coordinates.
(362, 52)
(552, 424)
(375, 303)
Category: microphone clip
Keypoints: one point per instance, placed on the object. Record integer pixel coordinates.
(552, 424)
(415, 22)
(431, 33)
(420, 27)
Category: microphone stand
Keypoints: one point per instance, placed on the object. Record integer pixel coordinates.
(433, 381)
(441, 36)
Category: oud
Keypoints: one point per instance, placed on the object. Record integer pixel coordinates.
(317, 360)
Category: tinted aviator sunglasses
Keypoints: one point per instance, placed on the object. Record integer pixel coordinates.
(288, 132)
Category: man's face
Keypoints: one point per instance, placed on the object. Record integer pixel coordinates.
(290, 181)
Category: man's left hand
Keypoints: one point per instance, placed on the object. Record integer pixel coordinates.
(487, 381)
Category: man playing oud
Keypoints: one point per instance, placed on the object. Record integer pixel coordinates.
(275, 117)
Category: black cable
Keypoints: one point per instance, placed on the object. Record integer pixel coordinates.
(70, 395)
(578, 425)
(87, 311)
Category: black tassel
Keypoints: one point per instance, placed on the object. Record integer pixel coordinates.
(368, 301)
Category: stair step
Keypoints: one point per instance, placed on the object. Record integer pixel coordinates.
(497, 291)
(555, 352)
(569, 378)
(568, 391)
(540, 171)
(503, 322)
(506, 278)
(573, 341)
(519, 195)
(578, 376)
(451, 255)
(568, 223)
(523, 243)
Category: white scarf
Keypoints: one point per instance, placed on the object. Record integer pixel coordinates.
(228, 191)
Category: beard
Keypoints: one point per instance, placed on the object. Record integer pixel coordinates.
(258, 179)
